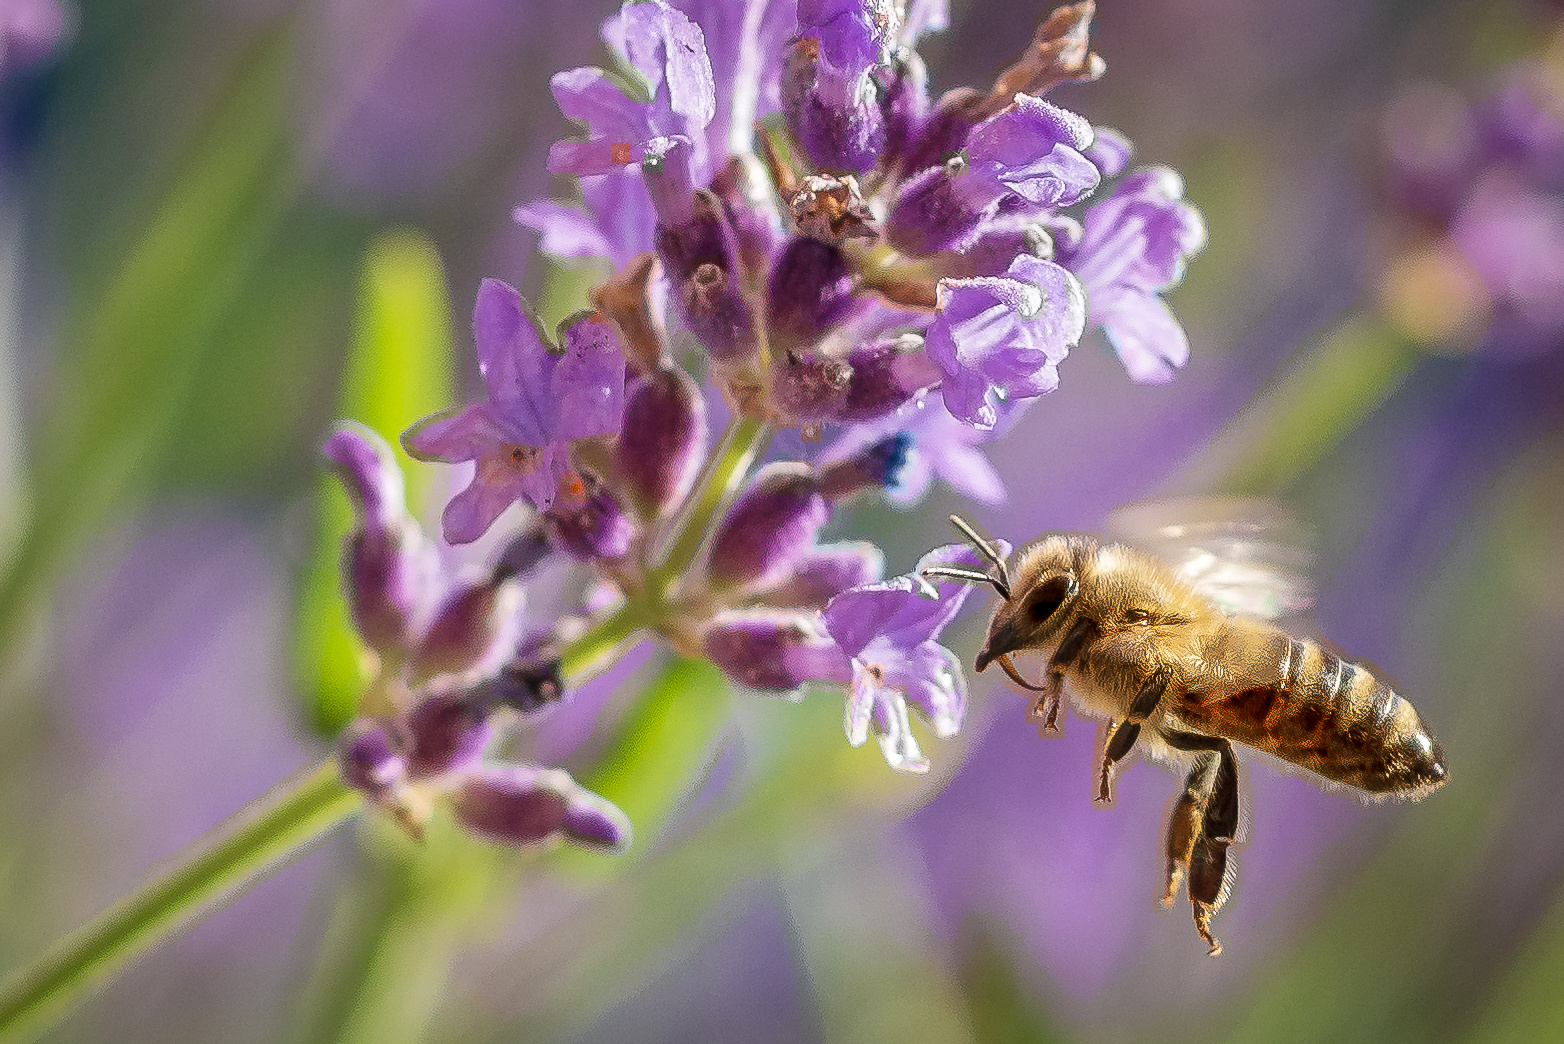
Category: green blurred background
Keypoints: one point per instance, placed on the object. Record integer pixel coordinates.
(225, 224)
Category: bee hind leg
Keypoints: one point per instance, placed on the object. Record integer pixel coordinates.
(1184, 825)
(1121, 740)
(1204, 823)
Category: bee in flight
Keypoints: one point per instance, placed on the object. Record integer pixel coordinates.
(1178, 654)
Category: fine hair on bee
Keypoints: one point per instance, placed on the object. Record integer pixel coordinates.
(1177, 652)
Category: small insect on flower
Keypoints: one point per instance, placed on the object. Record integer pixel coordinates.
(1176, 651)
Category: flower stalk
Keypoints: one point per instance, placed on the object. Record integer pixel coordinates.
(296, 814)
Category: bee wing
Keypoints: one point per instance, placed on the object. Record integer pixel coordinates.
(1245, 554)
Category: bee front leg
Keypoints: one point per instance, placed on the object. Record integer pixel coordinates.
(1069, 650)
(1121, 740)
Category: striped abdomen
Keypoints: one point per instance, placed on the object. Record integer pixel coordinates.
(1334, 718)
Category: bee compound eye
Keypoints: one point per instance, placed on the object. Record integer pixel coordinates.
(1051, 594)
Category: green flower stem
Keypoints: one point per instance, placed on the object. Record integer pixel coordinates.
(745, 439)
(219, 866)
(272, 830)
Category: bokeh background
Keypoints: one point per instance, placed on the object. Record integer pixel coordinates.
(225, 223)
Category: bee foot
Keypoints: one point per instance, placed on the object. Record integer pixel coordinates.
(1203, 912)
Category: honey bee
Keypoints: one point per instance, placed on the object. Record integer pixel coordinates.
(1182, 660)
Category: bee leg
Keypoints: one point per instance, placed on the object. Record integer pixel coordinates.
(1184, 825)
(1208, 883)
(1121, 740)
(1207, 874)
(1069, 650)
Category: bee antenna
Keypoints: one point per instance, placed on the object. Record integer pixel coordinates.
(968, 576)
(984, 548)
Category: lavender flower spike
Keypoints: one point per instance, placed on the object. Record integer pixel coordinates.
(889, 632)
(539, 399)
(1004, 335)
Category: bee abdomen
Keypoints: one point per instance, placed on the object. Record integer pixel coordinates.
(1334, 717)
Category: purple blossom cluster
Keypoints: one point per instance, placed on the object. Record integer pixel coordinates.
(1484, 184)
(794, 222)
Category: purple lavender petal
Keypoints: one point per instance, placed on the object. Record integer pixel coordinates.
(1026, 158)
(464, 433)
(1004, 334)
(773, 651)
(1034, 149)
(904, 612)
(623, 209)
(586, 94)
(745, 42)
(866, 689)
(588, 383)
(669, 50)
(932, 678)
(447, 734)
(1143, 331)
(515, 362)
(567, 233)
(826, 91)
(499, 482)
(1134, 246)
(513, 804)
(1109, 152)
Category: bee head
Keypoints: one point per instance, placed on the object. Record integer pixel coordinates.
(1045, 587)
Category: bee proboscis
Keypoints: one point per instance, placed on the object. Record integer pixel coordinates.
(1182, 660)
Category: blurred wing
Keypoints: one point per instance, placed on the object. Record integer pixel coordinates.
(1246, 555)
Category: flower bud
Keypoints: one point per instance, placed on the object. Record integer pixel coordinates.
(526, 686)
(383, 558)
(701, 258)
(521, 805)
(878, 466)
(448, 732)
(810, 291)
(825, 573)
(521, 556)
(371, 759)
(826, 99)
(659, 453)
(769, 528)
(597, 529)
(810, 386)
(774, 651)
(469, 625)
(886, 375)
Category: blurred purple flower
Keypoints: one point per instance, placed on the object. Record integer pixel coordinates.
(1489, 175)
(538, 401)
